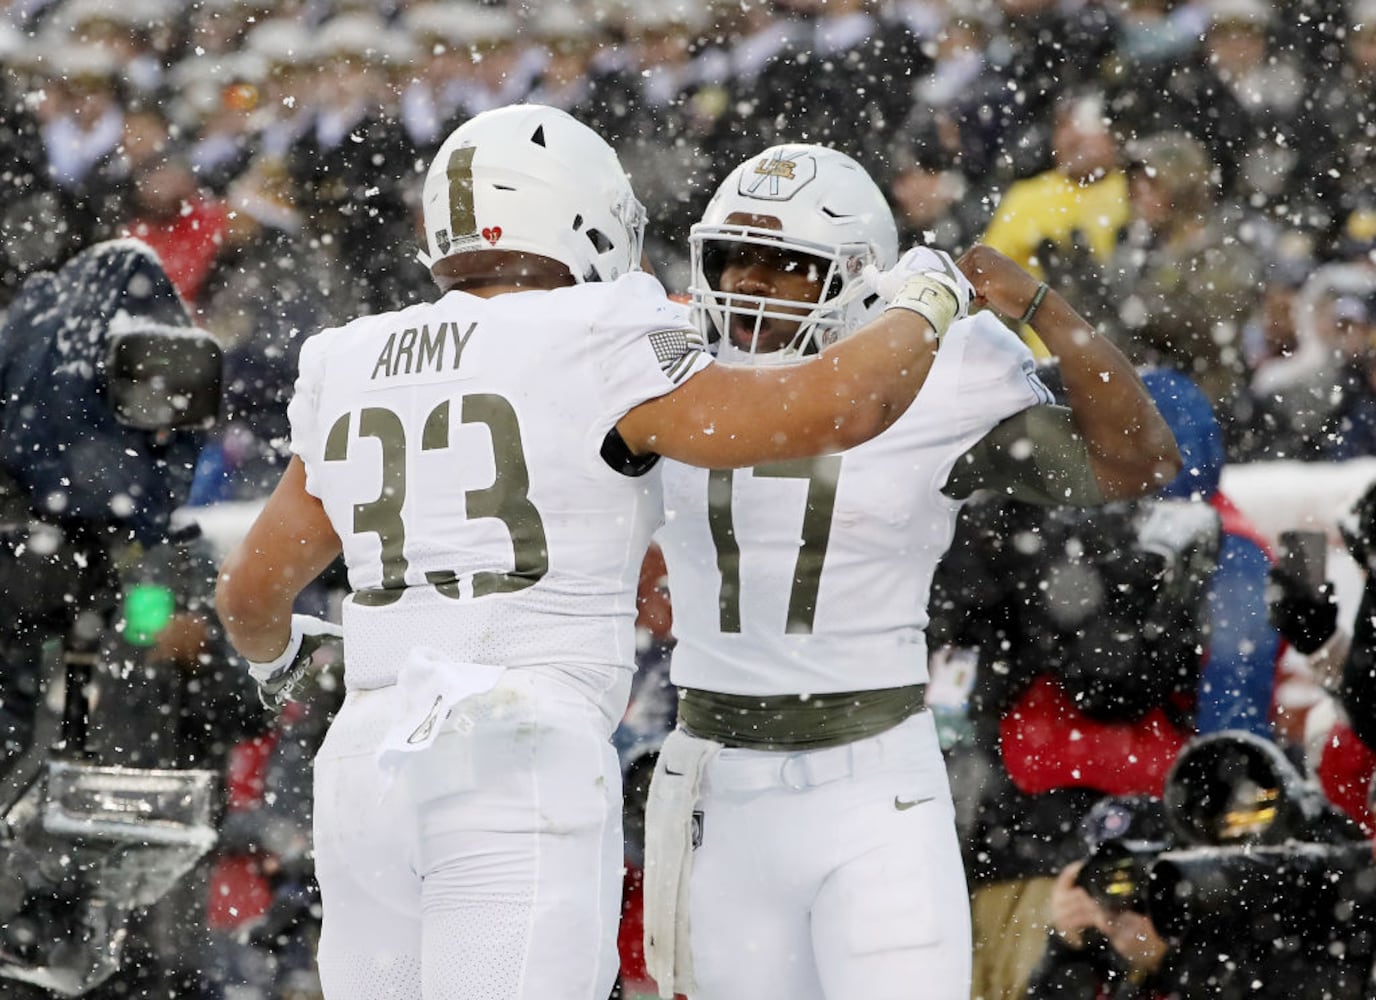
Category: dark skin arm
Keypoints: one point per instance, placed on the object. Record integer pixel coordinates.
(1131, 448)
(733, 416)
(289, 545)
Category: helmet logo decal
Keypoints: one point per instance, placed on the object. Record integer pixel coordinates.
(778, 176)
(492, 234)
(442, 240)
(776, 168)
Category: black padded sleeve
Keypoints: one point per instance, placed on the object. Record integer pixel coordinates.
(618, 455)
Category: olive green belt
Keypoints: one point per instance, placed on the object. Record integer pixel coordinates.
(796, 722)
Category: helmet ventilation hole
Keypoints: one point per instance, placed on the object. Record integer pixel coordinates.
(539, 137)
(599, 240)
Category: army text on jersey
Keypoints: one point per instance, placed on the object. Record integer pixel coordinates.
(415, 350)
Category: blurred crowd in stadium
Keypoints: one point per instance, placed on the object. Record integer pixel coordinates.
(1197, 176)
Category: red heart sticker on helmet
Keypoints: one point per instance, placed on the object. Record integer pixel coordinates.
(492, 235)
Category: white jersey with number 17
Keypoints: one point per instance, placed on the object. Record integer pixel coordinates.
(456, 447)
(813, 576)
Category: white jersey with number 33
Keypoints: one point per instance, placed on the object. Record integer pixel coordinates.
(456, 447)
(813, 576)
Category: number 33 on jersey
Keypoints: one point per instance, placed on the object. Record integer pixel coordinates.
(466, 480)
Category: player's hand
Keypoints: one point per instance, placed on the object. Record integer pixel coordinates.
(918, 260)
(924, 281)
(999, 281)
(279, 680)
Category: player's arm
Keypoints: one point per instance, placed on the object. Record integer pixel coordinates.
(289, 545)
(1111, 444)
(730, 417)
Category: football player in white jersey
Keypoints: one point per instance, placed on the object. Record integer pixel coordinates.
(486, 465)
(800, 836)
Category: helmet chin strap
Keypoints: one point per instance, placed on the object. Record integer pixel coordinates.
(855, 289)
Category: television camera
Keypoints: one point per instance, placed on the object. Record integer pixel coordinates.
(105, 389)
(1253, 859)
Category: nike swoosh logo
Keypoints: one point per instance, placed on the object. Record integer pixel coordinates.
(423, 730)
(676, 774)
(900, 805)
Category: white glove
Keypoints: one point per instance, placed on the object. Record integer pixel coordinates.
(279, 679)
(924, 281)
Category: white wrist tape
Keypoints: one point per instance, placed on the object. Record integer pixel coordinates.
(301, 627)
(932, 296)
(265, 672)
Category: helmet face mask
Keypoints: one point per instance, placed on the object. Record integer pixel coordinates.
(760, 321)
(807, 205)
(532, 179)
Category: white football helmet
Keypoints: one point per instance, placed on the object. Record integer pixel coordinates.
(534, 179)
(827, 207)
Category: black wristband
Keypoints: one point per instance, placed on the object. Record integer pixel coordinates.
(1035, 304)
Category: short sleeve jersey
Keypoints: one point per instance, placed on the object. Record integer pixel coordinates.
(814, 576)
(456, 448)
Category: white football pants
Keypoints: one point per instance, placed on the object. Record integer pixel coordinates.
(831, 875)
(488, 867)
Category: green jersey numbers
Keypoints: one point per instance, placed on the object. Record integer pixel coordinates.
(505, 499)
(815, 532)
(381, 517)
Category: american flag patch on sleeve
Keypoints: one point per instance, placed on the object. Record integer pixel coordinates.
(676, 350)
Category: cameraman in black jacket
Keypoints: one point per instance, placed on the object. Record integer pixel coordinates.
(106, 387)
(1244, 881)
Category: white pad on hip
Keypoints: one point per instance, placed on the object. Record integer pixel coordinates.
(431, 686)
(668, 858)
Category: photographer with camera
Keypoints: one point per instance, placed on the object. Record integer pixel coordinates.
(1095, 645)
(1099, 945)
(1077, 630)
(1242, 881)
